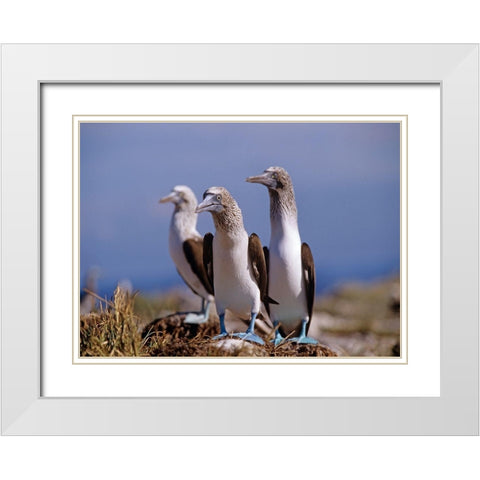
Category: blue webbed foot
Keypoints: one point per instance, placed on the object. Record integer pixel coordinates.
(220, 336)
(198, 317)
(278, 339)
(278, 336)
(195, 318)
(303, 339)
(249, 337)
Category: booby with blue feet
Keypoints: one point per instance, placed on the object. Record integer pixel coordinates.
(235, 263)
(291, 269)
(185, 245)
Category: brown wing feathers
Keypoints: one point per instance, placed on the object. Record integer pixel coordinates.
(309, 277)
(193, 250)
(259, 267)
(208, 258)
(266, 254)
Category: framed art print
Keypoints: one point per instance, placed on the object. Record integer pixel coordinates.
(114, 171)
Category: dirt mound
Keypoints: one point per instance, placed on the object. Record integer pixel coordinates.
(170, 337)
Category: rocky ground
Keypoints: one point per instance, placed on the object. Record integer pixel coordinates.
(360, 319)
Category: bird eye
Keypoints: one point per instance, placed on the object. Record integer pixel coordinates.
(274, 175)
(219, 198)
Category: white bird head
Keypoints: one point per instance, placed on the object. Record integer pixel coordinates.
(215, 200)
(225, 211)
(182, 197)
(274, 178)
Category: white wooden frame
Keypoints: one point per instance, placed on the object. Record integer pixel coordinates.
(26, 67)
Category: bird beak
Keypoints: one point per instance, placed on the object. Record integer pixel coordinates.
(171, 197)
(264, 179)
(205, 206)
(208, 205)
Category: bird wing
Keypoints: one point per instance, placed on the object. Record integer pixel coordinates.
(266, 254)
(193, 250)
(308, 268)
(259, 267)
(187, 283)
(208, 258)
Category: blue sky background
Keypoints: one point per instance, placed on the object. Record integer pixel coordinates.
(346, 178)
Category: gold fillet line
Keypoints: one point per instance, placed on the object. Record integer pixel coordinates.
(323, 361)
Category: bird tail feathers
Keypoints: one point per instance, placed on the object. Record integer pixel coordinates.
(267, 299)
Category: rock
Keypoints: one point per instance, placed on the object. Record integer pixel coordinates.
(239, 348)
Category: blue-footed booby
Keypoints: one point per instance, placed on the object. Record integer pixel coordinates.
(186, 249)
(291, 269)
(234, 262)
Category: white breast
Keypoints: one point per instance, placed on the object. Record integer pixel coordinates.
(235, 288)
(286, 278)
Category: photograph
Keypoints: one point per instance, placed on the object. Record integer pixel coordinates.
(239, 238)
(200, 238)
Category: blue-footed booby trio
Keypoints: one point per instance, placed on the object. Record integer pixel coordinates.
(234, 262)
(186, 249)
(291, 269)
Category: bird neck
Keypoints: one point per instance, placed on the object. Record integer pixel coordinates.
(283, 208)
(284, 227)
(184, 220)
(229, 221)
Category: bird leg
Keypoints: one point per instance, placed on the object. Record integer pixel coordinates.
(223, 330)
(278, 336)
(302, 338)
(249, 335)
(200, 317)
(206, 308)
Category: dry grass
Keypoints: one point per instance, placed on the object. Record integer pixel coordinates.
(118, 330)
(112, 331)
